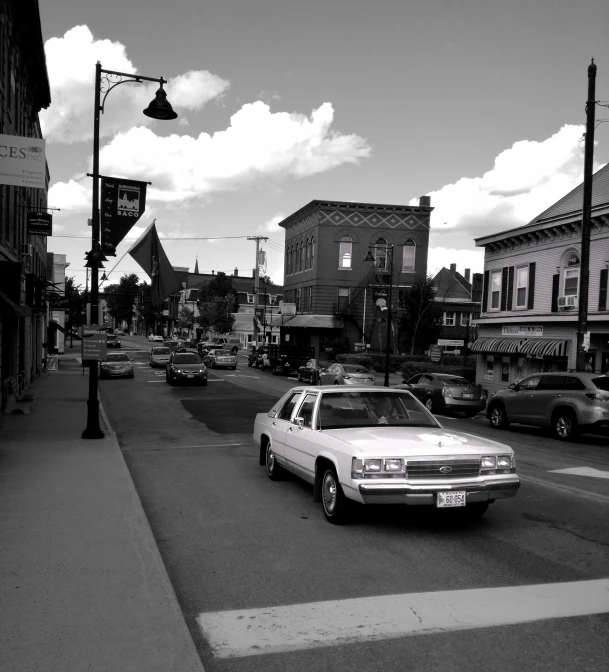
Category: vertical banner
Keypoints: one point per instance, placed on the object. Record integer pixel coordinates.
(123, 202)
(379, 298)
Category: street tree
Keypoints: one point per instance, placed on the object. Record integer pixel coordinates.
(186, 318)
(75, 304)
(419, 317)
(120, 298)
(216, 302)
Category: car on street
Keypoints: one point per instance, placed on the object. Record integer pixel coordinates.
(185, 367)
(113, 341)
(309, 373)
(175, 345)
(566, 403)
(119, 332)
(380, 446)
(346, 374)
(159, 356)
(446, 393)
(155, 338)
(231, 343)
(116, 365)
(218, 359)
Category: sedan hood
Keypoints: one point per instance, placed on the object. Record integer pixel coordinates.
(384, 440)
(117, 366)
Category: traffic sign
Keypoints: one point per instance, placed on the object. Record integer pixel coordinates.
(94, 342)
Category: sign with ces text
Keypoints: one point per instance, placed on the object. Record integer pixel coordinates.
(22, 161)
(94, 342)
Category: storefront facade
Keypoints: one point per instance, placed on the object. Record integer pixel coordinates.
(530, 296)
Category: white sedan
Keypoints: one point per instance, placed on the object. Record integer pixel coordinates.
(380, 446)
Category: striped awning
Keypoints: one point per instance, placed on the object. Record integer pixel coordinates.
(497, 345)
(544, 347)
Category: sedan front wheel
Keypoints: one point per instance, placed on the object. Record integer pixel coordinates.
(334, 502)
(273, 470)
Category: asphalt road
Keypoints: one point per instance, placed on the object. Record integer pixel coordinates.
(233, 540)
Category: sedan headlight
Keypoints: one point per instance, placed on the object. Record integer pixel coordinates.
(203, 370)
(389, 467)
(488, 462)
(393, 464)
(497, 464)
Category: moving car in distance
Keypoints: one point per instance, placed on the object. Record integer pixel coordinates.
(309, 373)
(220, 359)
(346, 374)
(380, 446)
(567, 403)
(444, 392)
(159, 356)
(113, 341)
(116, 365)
(119, 332)
(175, 345)
(155, 337)
(185, 367)
(231, 343)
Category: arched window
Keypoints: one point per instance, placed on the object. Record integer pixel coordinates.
(312, 252)
(380, 254)
(307, 255)
(302, 254)
(345, 252)
(287, 261)
(569, 281)
(408, 256)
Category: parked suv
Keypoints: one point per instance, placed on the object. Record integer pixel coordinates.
(567, 403)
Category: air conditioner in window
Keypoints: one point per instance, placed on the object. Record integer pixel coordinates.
(26, 249)
(562, 301)
(571, 301)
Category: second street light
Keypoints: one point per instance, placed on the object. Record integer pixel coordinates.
(159, 108)
(386, 252)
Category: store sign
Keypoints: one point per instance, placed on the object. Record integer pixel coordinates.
(451, 341)
(22, 161)
(287, 308)
(519, 330)
(39, 224)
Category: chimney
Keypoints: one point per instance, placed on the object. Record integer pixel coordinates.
(453, 268)
(424, 201)
(236, 273)
(467, 272)
(213, 272)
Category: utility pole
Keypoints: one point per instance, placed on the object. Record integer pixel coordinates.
(256, 283)
(584, 266)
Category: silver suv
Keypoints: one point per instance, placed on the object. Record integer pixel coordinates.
(567, 403)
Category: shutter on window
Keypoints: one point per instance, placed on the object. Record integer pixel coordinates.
(602, 292)
(531, 301)
(504, 288)
(485, 292)
(555, 280)
(510, 288)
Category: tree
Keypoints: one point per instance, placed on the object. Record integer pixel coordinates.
(420, 313)
(186, 318)
(121, 297)
(75, 304)
(217, 301)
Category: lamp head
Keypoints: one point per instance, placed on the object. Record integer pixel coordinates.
(369, 256)
(160, 108)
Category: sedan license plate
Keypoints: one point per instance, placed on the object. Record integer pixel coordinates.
(450, 499)
(190, 375)
(467, 395)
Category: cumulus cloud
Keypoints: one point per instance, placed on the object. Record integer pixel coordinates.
(526, 179)
(71, 65)
(443, 257)
(257, 144)
(271, 225)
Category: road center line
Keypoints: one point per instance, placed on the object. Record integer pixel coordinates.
(593, 496)
(233, 634)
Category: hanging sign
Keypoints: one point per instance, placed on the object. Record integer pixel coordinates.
(22, 161)
(123, 202)
(39, 224)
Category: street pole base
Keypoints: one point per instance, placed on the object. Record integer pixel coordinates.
(93, 433)
(93, 430)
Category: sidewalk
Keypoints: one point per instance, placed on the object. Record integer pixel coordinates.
(82, 583)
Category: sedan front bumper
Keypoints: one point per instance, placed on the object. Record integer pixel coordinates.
(482, 490)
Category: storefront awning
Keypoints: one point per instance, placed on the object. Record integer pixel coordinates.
(309, 322)
(544, 347)
(497, 345)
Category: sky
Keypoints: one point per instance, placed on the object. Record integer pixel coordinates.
(479, 104)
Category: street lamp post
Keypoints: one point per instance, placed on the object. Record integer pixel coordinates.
(159, 108)
(371, 257)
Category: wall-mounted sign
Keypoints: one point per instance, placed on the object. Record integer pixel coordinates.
(519, 330)
(435, 353)
(22, 161)
(451, 341)
(123, 202)
(39, 224)
(287, 308)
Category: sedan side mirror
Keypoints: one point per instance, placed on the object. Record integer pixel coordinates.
(299, 422)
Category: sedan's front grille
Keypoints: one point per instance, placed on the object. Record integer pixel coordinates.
(443, 468)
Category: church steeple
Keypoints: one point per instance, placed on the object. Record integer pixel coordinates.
(197, 264)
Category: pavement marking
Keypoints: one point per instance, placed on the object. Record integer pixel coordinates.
(155, 381)
(582, 471)
(206, 445)
(250, 632)
(592, 496)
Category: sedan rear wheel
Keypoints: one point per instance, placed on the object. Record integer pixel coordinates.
(429, 404)
(564, 425)
(273, 470)
(334, 502)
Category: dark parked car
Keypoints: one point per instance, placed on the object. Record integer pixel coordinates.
(186, 367)
(113, 341)
(175, 345)
(567, 403)
(443, 392)
(311, 370)
(116, 365)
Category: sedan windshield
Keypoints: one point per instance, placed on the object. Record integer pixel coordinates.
(354, 368)
(187, 358)
(117, 358)
(365, 409)
(223, 353)
(161, 351)
(454, 380)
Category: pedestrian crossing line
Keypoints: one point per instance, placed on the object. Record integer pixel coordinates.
(250, 632)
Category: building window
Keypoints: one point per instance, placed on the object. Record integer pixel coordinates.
(495, 291)
(298, 298)
(489, 374)
(449, 319)
(380, 254)
(522, 286)
(250, 298)
(570, 281)
(343, 298)
(302, 256)
(465, 319)
(307, 254)
(408, 255)
(345, 251)
(312, 252)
